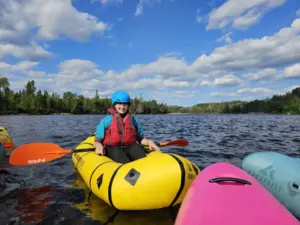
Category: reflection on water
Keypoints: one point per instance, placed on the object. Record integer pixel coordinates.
(95, 208)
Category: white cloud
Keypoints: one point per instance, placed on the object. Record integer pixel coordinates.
(164, 66)
(253, 58)
(250, 18)
(258, 90)
(228, 80)
(29, 52)
(230, 94)
(298, 12)
(240, 13)
(292, 71)
(51, 23)
(76, 70)
(226, 38)
(24, 22)
(101, 94)
(289, 89)
(283, 91)
(225, 81)
(265, 73)
(278, 50)
(206, 83)
(24, 66)
(184, 94)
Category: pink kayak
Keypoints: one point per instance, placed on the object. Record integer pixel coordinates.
(224, 194)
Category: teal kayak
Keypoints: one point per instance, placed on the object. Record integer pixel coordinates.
(279, 174)
(2, 152)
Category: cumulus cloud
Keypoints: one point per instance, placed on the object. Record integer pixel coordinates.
(270, 51)
(226, 66)
(289, 89)
(265, 73)
(217, 93)
(24, 23)
(29, 52)
(239, 13)
(292, 71)
(259, 90)
(19, 67)
(76, 70)
(19, 17)
(227, 81)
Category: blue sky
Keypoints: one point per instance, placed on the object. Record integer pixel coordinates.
(180, 52)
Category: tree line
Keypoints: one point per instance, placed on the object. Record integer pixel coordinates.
(288, 103)
(32, 101)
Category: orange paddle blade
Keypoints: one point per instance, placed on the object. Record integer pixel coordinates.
(36, 153)
(9, 146)
(178, 142)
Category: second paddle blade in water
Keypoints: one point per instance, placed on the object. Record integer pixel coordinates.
(36, 153)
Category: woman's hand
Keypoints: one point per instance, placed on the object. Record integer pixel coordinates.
(99, 148)
(151, 144)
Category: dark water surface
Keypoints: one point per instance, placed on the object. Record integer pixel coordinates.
(53, 193)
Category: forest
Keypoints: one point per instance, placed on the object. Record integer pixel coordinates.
(33, 101)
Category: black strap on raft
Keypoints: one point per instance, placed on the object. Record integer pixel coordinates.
(112, 217)
(174, 211)
(90, 195)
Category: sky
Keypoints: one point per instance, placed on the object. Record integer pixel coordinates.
(178, 52)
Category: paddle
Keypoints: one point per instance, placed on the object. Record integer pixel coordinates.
(40, 152)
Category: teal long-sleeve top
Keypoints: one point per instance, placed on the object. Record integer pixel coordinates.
(105, 123)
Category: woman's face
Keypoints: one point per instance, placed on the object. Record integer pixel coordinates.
(122, 108)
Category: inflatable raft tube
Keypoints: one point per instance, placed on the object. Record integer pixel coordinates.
(6, 139)
(225, 194)
(157, 181)
(278, 173)
(3, 131)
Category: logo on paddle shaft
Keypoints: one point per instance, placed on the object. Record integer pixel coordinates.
(35, 161)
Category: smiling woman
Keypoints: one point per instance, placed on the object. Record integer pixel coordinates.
(119, 134)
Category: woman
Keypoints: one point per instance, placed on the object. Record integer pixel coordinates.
(121, 133)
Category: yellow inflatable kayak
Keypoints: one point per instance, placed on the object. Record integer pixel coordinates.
(157, 181)
(5, 139)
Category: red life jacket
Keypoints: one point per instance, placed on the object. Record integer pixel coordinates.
(121, 131)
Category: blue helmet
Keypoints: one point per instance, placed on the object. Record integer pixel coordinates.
(120, 97)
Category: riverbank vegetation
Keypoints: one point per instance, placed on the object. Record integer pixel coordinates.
(33, 101)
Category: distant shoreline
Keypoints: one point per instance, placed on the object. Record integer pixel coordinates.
(68, 114)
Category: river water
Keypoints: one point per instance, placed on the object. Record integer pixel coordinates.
(53, 193)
